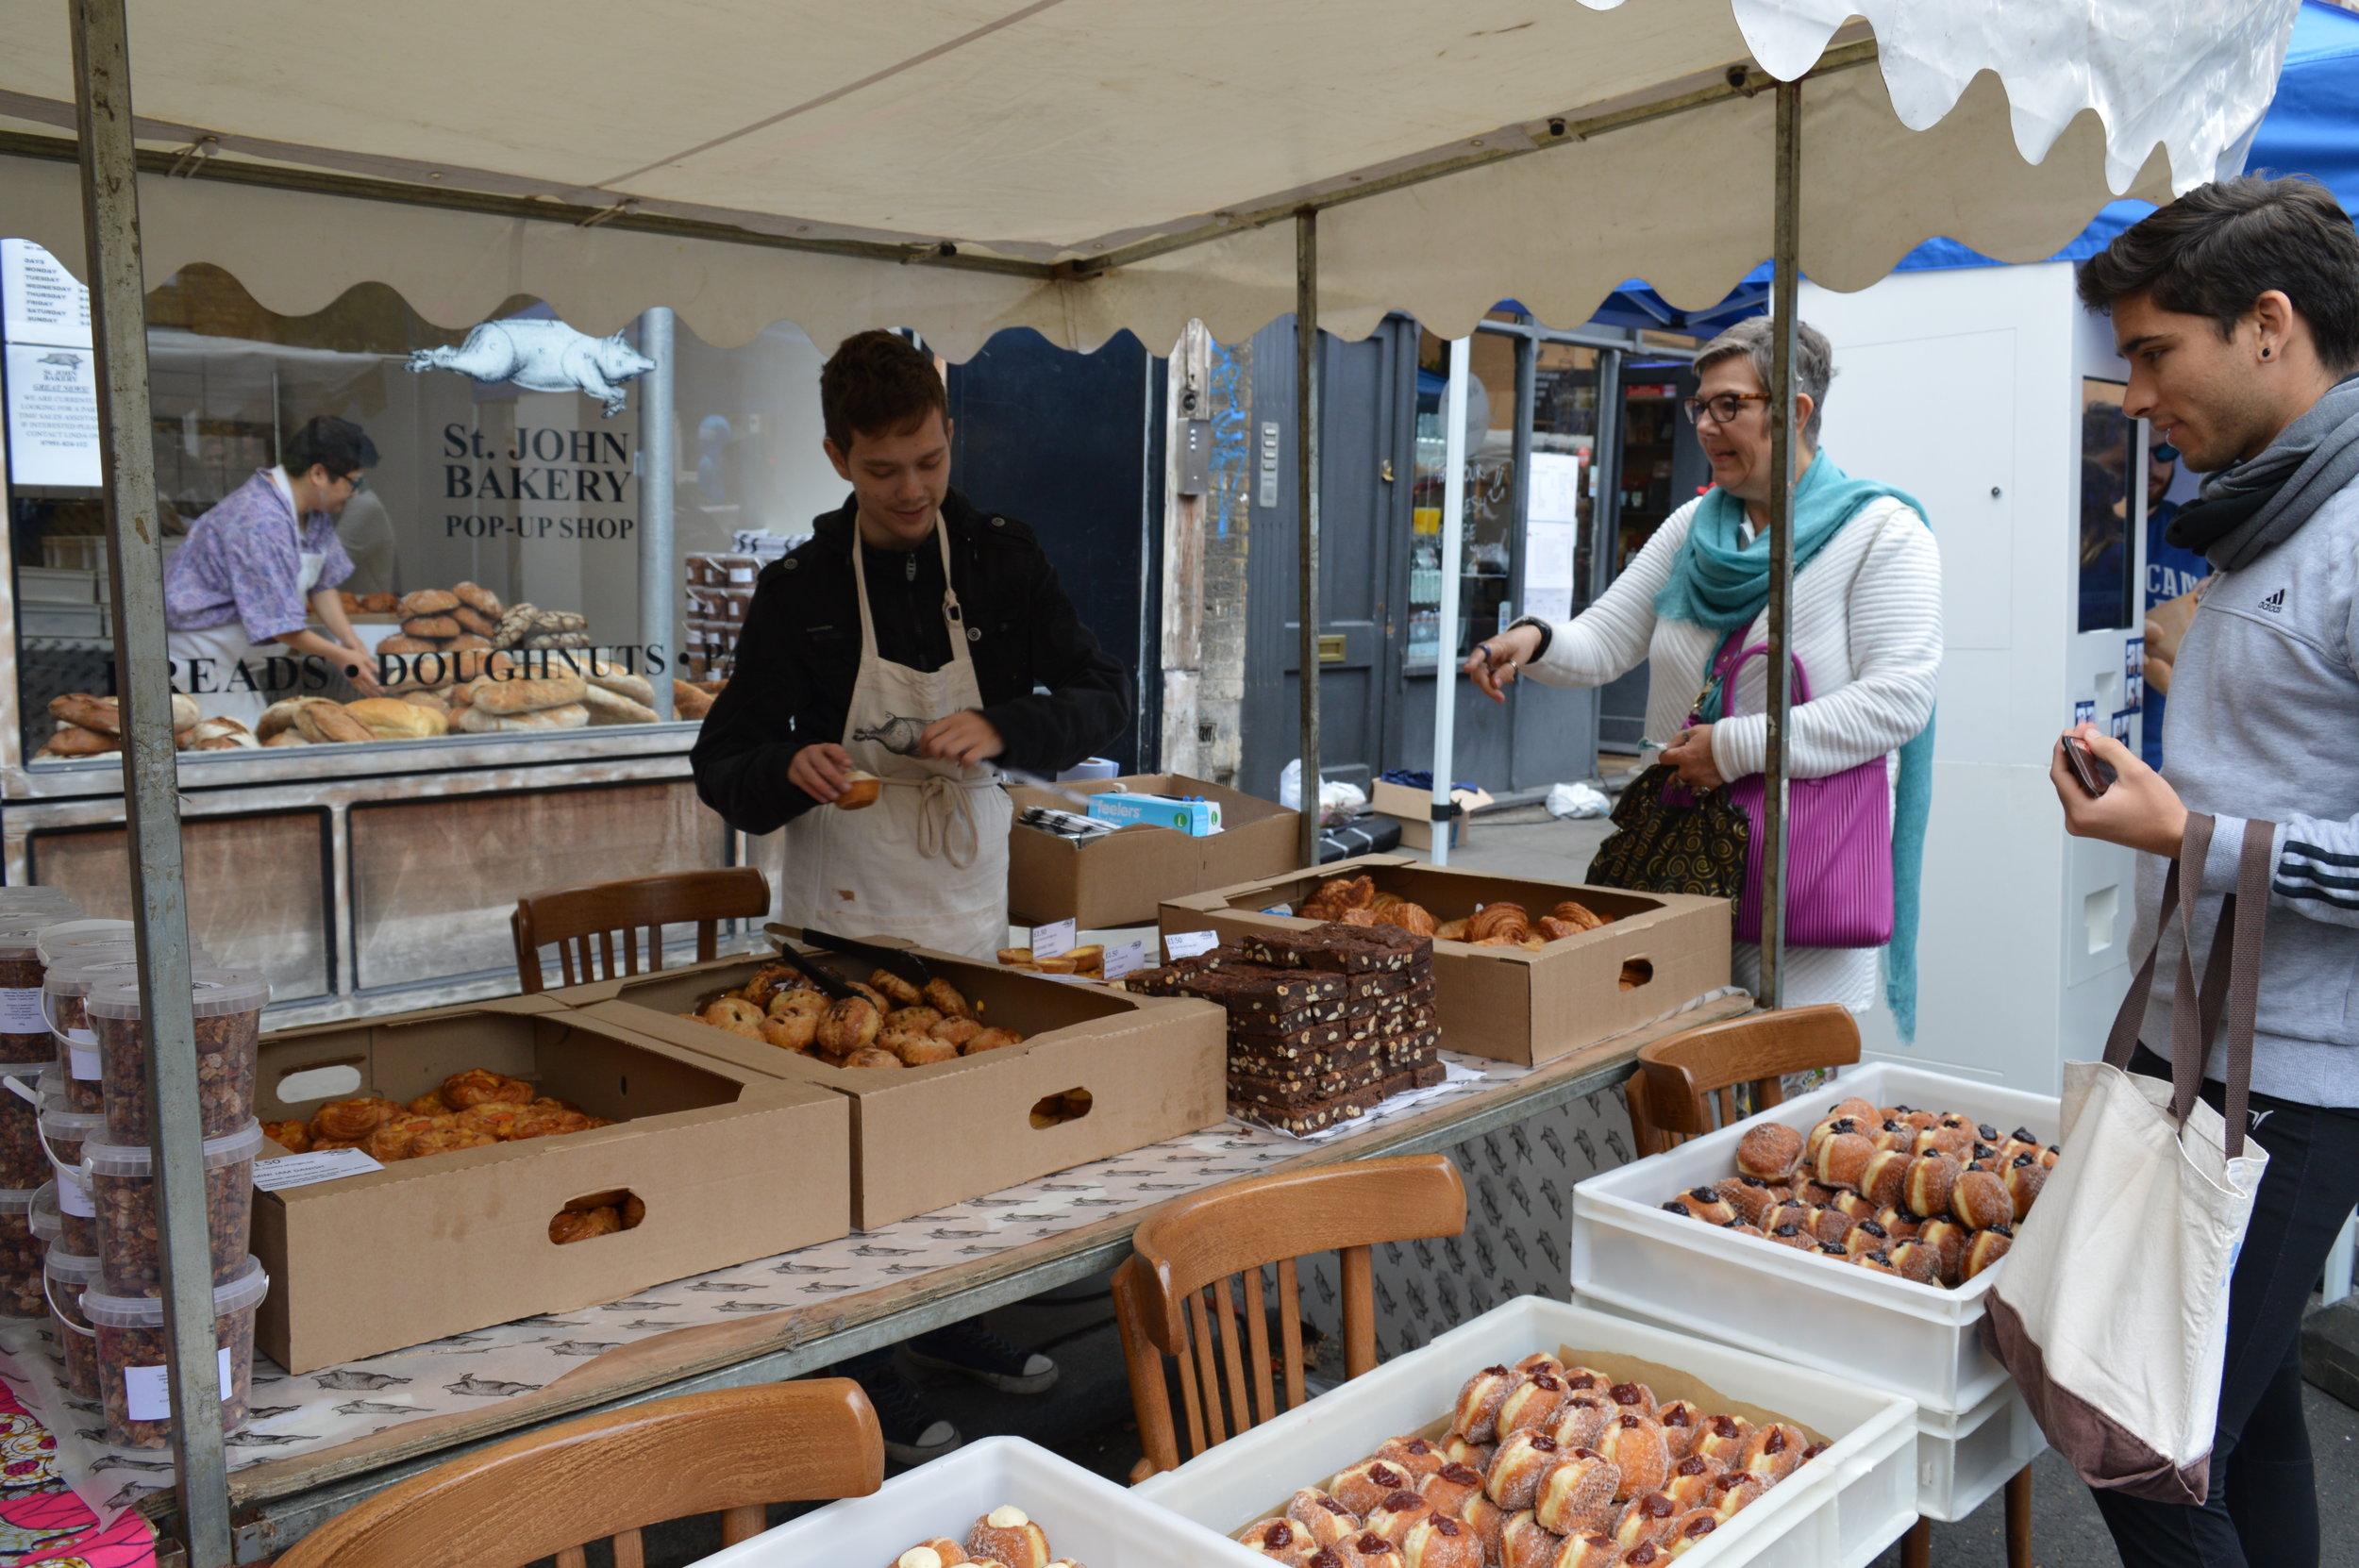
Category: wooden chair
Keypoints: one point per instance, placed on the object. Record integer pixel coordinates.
(583, 922)
(1685, 1086)
(733, 1451)
(1176, 1286)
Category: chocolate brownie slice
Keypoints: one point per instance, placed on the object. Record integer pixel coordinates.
(1300, 1091)
(1333, 949)
(1315, 1117)
(1257, 987)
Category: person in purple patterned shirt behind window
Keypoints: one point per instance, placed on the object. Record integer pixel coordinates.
(244, 587)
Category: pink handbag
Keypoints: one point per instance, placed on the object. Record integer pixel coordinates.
(1838, 878)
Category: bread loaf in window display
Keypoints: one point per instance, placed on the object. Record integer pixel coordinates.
(887, 1022)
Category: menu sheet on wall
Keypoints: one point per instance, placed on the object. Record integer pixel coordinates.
(52, 375)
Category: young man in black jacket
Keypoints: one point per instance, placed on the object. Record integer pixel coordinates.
(915, 642)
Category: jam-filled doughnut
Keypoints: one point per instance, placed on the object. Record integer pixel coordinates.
(1875, 1262)
(1788, 1213)
(1986, 1248)
(1842, 1160)
(1327, 1520)
(1857, 1108)
(1893, 1135)
(1819, 1135)
(1750, 1196)
(1885, 1180)
(1576, 1494)
(1514, 1475)
(1366, 1550)
(1835, 1250)
(1689, 1530)
(1866, 1236)
(1704, 1204)
(1981, 1200)
(1633, 1398)
(1829, 1226)
(1281, 1539)
(1774, 1452)
(1932, 1178)
(1721, 1441)
(1590, 1549)
(1951, 1141)
(1734, 1492)
(1476, 1416)
(1457, 1450)
(1487, 1520)
(1646, 1554)
(1525, 1543)
(1918, 1262)
(1679, 1419)
(1438, 1540)
(1586, 1379)
(1580, 1421)
(1539, 1360)
(1771, 1151)
(1792, 1235)
(2019, 1141)
(1810, 1195)
(1743, 1229)
(1917, 1118)
(1635, 1445)
(1530, 1403)
(1899, 1224)
(1413, 1454)
(1365, 1485)
(1855, 1207)
(1983, 1157)
(1447, 1489)
(1007, 1535)
(2024, 1177)
(1947, 1240)
(1391, 1517)
(1691, 1481)
(1648, 1517)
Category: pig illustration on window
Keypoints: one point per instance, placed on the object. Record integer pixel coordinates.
(541, 355)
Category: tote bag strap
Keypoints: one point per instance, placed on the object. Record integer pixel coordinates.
(1728, 679)
(2244, 975)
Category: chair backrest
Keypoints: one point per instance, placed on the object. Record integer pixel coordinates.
(1197, 1263)
(547, 1493)
(584, 922)
(1686, 1084)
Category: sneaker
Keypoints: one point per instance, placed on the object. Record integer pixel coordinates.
(973, 1350)
(912, 1433)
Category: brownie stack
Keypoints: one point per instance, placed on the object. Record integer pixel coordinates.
(1323, 1024)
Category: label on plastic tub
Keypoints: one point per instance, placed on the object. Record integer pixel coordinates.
(741, 574)
(147, 1390)
(84, 1060)
(20, 1012)
(72, 1194)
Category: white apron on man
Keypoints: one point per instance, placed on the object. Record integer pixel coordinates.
(226, 646)
(928, 861)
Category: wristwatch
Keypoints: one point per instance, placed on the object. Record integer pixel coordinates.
(1547, 633)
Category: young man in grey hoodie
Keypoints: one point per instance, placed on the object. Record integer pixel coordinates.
(2238, 308)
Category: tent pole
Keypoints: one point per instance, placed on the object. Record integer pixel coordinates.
(658, 438)
(110, 231)
(1445, 633)
(1785, 449)
(1307, 512)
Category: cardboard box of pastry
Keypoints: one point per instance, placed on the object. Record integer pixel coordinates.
(1512, 1004)
(1084, 1517)
(1839, 1511)
(1414, 811)
(1118, 880)
(1098, 1073)
(730, 1165)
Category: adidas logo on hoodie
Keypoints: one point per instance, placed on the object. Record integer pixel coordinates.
(2275, 602)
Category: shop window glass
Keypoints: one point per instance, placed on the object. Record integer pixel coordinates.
(1562, 500)
(1652, 421)
(1487, 564)
(2108, 453)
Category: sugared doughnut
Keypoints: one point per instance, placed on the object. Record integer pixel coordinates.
(1811, 1195)
(1885, 1181)
(1368, 1483)
(1932, 1178)
(1792, 1235)
(1893, 1135)
(1856, 1108)
(1689, 1530)
(940, 1552)
(1744, 1229)
(1874, 1262)
(1576, 1494)
(1438, 1540)
(1918, 1262)
(1842, 1160)
(1591, 1549)
(1829, 1226)
(1007, 1535)
(1866, 1236)
(1525, 1543)
(1774, 1452)
(1281, 1540)
(1788, 1213)
(1530, 1403)
(1917, 1118)
(1539, 1360)
(1487, 1520)
(1983, 1157)
(1391, 1517)
(1899, 1224)
(2049, 1155)
(1824, 1130)
(1986, 1248)
(1580, 1421)
(1855, 1207)
(1632, 1398)
(2024, 1177)
(1327, 1520)
(1691, 1481)
(2019, 1141)
(1476, 1456)
(1705, 1204)
(1476, 1416)
(1678, 1420)
(1413, 1454)
(1635, 1445)
(1366, 1550)
(1948, 1238)
(1981, 1200)
(1646, 1554)
(1514, 1475)
(1771, 1151)
(1835, 1250)
(1449, 1488)
(1648, 1517)
(1750, 1196)
(1951, 1141)
(1734, 1490)
(1721, 1441)
(1586, 1379)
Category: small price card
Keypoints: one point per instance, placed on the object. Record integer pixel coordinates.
(1054, 941)
(1189, 944)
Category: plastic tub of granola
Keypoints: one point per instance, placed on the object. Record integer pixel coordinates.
(65, 1277)
(228, 1007)
(20, 1259)
(122, 1189)
(75, 970)
(23, 1162)
(134, 1385)
(63, 1132)
(79, 930)
(24, 1032)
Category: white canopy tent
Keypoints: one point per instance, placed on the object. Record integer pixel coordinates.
(1076, 166)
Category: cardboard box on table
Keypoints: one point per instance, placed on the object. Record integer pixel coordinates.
(1120, 878)
(1414, 811)
(732, 1166)
(923, 1137)
(1510, 1003)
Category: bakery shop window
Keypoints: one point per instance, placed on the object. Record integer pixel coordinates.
(491, 542)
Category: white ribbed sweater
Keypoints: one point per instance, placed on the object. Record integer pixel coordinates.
(1867, 631)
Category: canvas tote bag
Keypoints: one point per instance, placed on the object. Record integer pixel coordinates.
(2112, 1311)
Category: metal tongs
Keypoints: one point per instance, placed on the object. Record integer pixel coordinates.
(1074, 798)
(832, 984)
(893, 960)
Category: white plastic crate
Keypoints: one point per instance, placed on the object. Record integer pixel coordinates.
(1086, 1517)
(1838, 1511)
(1921, 1341)
(1962, 1461)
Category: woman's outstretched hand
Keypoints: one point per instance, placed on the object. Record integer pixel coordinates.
(1493, 664)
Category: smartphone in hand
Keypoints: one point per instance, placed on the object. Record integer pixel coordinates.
(2095, 777)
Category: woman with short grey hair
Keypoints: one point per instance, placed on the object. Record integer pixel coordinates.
(1867, 629)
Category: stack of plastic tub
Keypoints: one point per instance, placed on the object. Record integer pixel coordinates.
(1882, 1331)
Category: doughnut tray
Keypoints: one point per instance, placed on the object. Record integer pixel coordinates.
(1085, 1516)
(1840, 1510)
(1920, 1340)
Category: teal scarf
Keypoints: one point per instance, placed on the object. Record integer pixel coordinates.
(1722, 582)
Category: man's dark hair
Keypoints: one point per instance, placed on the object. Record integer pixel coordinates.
(2221, 246)
(877, 383)
(338, 445)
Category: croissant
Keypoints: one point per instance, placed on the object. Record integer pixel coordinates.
(1411, 918)
(1450, 930)
(1321, 909)
(1498, 920)
(1346, 892)
(1557, 930)
(1579, 915)
(1359, 917)
(351, 1119)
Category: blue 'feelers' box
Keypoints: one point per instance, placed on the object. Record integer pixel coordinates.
(1197, 818)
